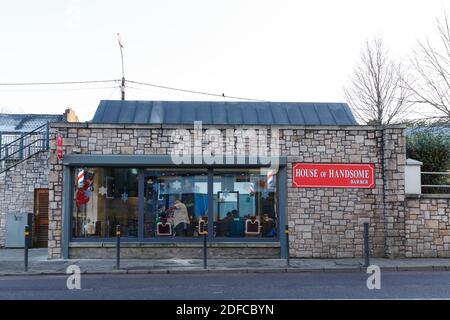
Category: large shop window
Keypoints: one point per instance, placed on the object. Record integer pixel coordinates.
(245, 203)
(104, 198)
(175, 202)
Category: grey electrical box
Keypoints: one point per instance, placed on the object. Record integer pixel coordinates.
(15, 226)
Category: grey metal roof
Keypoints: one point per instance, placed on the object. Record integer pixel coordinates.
(223, 113)
(26, 122)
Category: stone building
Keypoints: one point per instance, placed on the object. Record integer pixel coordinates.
(24, 170)
(245, 170)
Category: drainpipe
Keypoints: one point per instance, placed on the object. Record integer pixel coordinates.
(383, 176)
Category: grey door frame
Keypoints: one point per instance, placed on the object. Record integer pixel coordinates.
(148, 161)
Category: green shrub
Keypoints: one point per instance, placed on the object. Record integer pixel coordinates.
(433, 149)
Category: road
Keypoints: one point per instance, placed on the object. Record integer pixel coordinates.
(394, 285)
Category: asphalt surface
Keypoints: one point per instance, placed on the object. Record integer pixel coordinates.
(394, 285)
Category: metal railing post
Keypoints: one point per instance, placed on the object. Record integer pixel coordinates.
(47, 137)
(118, 247)
(286, 232)
(366, 245)
(21, 148)
(25, 246)
(205, 252)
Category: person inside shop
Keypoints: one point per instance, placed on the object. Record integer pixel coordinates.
(268, 226)
(236, 226)
(180, 218)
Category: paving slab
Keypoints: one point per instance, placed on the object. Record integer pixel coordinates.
(11, 263)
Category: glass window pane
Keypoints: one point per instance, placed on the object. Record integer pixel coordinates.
(104, 198)
(245, 203)
(174, 202)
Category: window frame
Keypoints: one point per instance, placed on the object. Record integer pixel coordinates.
(73, 162)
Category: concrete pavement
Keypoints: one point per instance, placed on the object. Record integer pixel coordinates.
(11, 263)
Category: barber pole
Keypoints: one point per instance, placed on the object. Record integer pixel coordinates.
(80, 178)
(269, 179)
(251, 188)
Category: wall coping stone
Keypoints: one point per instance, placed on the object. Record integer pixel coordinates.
(89, 125)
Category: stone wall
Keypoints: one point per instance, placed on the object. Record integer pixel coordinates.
(427, 226)
(327, 222)
(394, 197)
(179, 251)
(17, 187)
(323, 222)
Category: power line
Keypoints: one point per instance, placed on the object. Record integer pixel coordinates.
(54, 83)
(194, 91)
(12, 84)
(57, 89)
(151, 90)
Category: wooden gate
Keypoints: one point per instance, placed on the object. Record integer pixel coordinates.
(40, 238)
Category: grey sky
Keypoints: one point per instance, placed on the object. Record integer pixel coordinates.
(272, 50)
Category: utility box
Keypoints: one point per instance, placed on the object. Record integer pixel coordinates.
(15, 227)
(413, 182)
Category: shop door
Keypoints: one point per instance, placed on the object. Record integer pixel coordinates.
(41, 218)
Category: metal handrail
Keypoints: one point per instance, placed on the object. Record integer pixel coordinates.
(24, 147)
(444, 173)
(23, 136)
(436, 185)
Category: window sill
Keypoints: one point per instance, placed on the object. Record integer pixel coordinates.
(224, 244)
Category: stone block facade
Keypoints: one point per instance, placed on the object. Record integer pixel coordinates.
(323, 222)
(167, 251)
(328, 222)
(427, 227)
(17, 187)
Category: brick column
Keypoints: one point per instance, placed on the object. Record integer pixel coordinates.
(394, 188)
(55, 186)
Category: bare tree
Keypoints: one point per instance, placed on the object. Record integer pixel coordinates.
(431, 70)
(375, 92)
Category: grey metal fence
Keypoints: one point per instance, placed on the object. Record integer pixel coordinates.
(445, 185)
(17, 147)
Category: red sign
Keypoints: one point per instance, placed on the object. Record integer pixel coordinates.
(59, 140)
(59, 146)
(331, 175)
(59, 154)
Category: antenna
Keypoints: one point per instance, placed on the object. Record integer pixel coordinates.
(122, 86)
